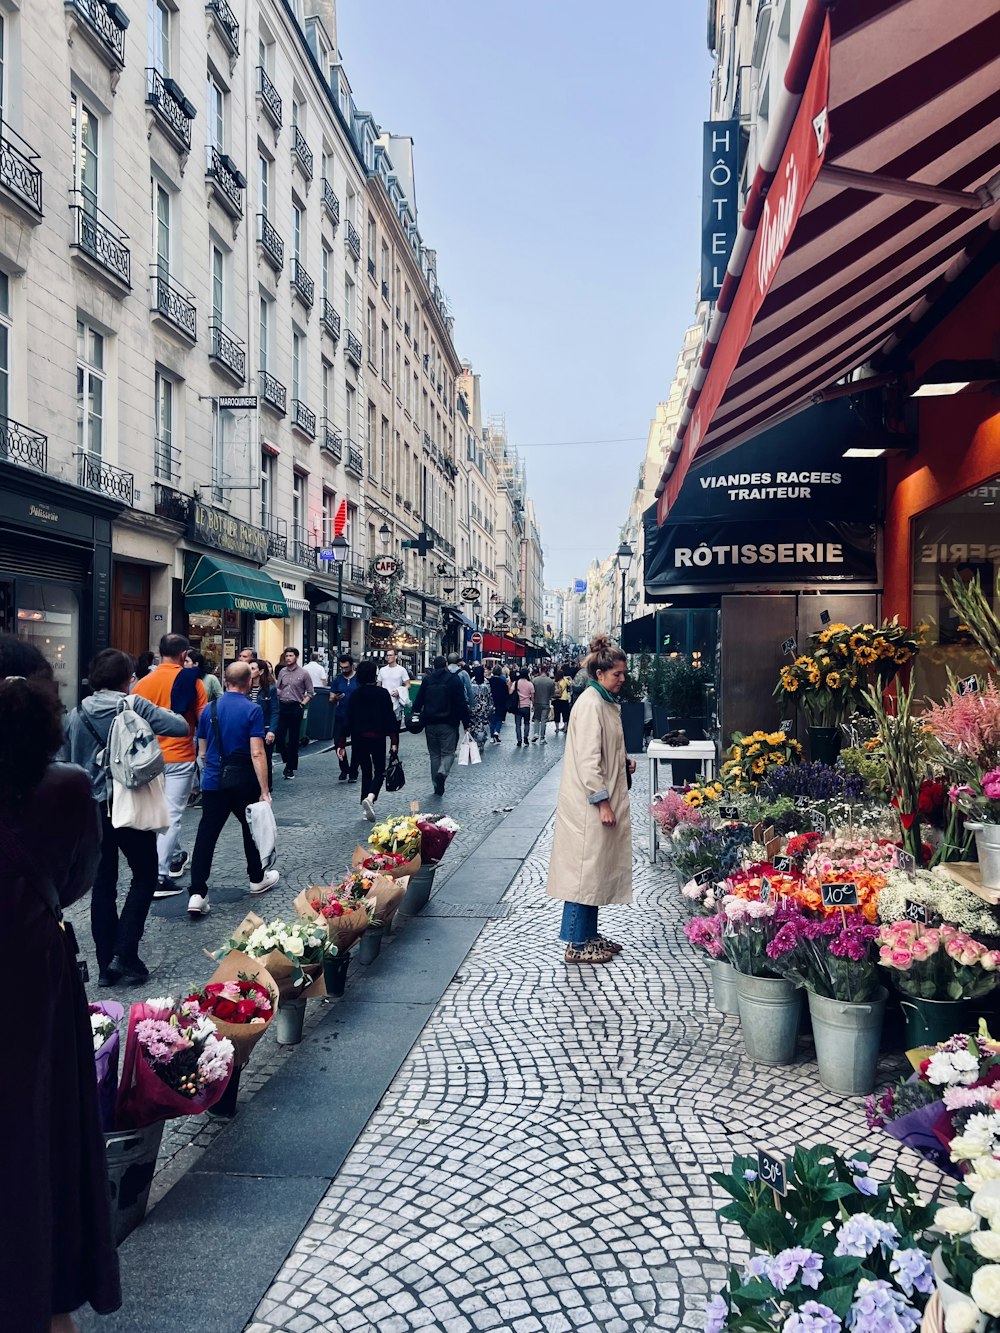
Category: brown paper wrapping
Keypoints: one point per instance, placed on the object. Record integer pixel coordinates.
(244, 1036)
(386, 893)
(344, 931)
(407, 868)
(280, 966)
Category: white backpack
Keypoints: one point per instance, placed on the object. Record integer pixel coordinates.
(133, 755)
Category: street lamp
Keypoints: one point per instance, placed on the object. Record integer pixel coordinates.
(385, 533)
(624, 557)
(341, 549)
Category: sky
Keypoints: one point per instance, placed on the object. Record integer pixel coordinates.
(557, 160)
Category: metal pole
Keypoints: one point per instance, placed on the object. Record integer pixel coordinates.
(623, 603)
(340, 607)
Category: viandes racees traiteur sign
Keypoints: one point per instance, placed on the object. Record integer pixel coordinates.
(222, 531)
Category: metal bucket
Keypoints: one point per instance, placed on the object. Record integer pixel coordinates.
(288, 1022)
(931, 1021)
(335, 973)
(769, 1015)
(370, 943)
(418, 890)
(724, 987)
(131, 1157)
(988, 851)
(847, 1040)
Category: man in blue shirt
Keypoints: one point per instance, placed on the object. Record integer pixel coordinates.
(343, 685)
(234, 775)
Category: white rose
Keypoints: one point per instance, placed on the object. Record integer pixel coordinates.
(986, 1244)
(293, 946)
(988, 1168)
(962, 1316)
(969, 1148)
(986, 1288)
(956, 1221)
(987, 1208)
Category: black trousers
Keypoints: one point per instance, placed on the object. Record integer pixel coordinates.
(114, 934)
(216, 807)
(287, 738)
(561, 707)
(351, 760)
(369, 754)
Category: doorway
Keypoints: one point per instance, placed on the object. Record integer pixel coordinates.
(130, 609)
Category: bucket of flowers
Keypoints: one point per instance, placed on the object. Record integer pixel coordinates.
(938, 970)
(105, 1015)
(769, 1004)
(292, 952)
(398, 835)
(751, 757)
(241, 999)
(340, 907)
(705, 932)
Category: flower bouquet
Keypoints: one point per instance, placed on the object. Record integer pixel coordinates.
(705, 932)
(824, 684)
(105, 1016)
(293, 952)
(175, 1063)
(832, 957)
(436, 833)
(673, 808)
(399, 835)
(750, 926)
(340, 908)
(389, 864)
(383, 898)
(941, 963)
(750, 758)
(241, 999)
(718, 850)
(699, 794)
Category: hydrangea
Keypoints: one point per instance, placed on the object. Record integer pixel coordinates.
(866, 1186)
(787, 1265)
(812, 1317)
(860, 1234)
(912, 1271)
(879, 1308)
(716, 1314)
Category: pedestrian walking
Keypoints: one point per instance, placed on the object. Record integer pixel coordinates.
(500, 690)
(372, 721)
(178, 752)
(523, 693)
(58, 1252)
(560, 700)
(482, 707)
(264, 692)
(395, 679)
(199, 662)
(318, 673)
(144, 664)
(116, 937)
(591, 861)
(234, 775)
(247, 654)
(443, 708)
(457, 667)
(544, 687)
(295, 689)
(344, 684)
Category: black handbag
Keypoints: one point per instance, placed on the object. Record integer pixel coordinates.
(395, 778)
(414, 725)
(236, 772)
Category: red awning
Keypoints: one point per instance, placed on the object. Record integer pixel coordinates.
(841, 250)
(505, 647)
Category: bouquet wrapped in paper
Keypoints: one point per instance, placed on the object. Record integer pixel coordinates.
(399, 836)
(175, 1063)
(344, 919)
(293, 953)
(393, 865)
(436, 833)
(241, 998)
(384, 897)
(105, 1016)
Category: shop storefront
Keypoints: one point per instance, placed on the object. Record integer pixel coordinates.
(288, 631)
(55, 571)
(320, 624)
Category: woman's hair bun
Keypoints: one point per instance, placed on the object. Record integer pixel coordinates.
(600, 643)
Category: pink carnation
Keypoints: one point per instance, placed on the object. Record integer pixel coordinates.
(991, 784)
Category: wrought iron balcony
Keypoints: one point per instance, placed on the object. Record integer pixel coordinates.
(330, 201)
(355, 463)
(353, 240)
(428, 442)
(97, 475)
(330, 440)
(271, 245)
(104, 24)
(100, 240)
(20, 170)
(227, 351)
(277, 537)
(274, 394)
(172, 110)
(352, 348)
(22, 445)
(357, 574)
(226, 25)
(329, 319)
(302, 285)
(166, 460)
(303, 548)
(302, 153)
(172, 304)
(170, 503)
(270, 98)
(303, 418)
(228, 183)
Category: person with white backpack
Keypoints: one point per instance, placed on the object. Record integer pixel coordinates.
(90, 743)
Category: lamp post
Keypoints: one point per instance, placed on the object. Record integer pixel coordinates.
(386, 535)
(341, 550)
(624, 557)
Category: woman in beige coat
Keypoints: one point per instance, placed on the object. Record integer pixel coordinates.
(591, 863)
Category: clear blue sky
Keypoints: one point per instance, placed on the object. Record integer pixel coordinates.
(557, 148)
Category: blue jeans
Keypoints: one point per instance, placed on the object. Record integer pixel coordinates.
(579, 924)
(496, 722)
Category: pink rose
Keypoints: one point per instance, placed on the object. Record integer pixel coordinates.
(991, 784)
(921, 951)
(901, 958)
(990, 960)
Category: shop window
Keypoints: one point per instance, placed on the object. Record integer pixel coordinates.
(959, 538)
(48, 616)
(91, 379)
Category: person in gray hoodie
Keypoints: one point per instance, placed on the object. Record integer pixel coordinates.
(116, 938)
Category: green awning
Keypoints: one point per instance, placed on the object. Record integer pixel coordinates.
(214, 584)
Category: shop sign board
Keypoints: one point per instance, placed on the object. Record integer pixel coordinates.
(386, 566)
(213, 527)
(720, 202)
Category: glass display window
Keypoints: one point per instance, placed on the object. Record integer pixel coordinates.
(48, 616)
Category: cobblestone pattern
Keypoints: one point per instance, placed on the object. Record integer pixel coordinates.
(541, 1162)
(319, 825)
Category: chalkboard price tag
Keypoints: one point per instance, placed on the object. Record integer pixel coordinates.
(802, 802)
(771, 1172)
(970, 685)
(765, 890)
(917, 913)
(786, 725)
(703, 877)
(908, 862)
(783, 864)
(788, 647)
(729, 811)
(819, 821)
(824, 617)
(839, 895)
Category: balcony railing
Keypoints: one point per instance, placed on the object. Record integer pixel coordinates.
(357, 574)
(97, 475)
(227, 350)
(173, 112)
(353, 240)
(277, 537)
(20, 170)
(22, 445)
(428, 442)
(302, 285)
(273, 392)
(166, 461)
(355, 463)
(385, 290)
(173, 305)
(228, 183)
(330, 319)
(330, 440)
(303, 548)
(105, 25)
(271, 245)
(100, 239)
(330, 201)
(226, 24)
(302, 153)
(170, 503)
(352, 348)
(270, 98)
(303, 418)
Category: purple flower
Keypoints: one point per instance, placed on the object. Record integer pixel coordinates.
(749, 1175)
(913, 1271)
(812, 1317)
(864, 1186)
(716, 1314)
(860, 1234)
(784, 1268)
(879, 1308)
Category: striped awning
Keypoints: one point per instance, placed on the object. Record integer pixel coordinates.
(878, 185)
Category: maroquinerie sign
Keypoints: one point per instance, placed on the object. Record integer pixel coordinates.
(222, 531)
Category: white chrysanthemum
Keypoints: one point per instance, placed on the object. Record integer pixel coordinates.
(951, 1067)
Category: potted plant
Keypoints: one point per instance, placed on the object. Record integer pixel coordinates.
(938, 971)
(633, 711)
(677, 692)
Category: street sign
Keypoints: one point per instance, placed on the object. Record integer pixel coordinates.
(386, 566)
(326, 553)
(477, 638)
(470, 593)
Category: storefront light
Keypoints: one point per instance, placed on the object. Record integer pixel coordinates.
(864, 453)
(945, 378)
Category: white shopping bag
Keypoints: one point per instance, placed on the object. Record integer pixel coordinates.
(264, 831)
(468, 750)
(142, 808)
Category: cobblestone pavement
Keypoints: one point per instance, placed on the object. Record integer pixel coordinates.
(319, 825)
(541, 1161)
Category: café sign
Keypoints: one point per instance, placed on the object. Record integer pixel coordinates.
(223, 532)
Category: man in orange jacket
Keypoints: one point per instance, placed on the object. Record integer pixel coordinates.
(178, 758)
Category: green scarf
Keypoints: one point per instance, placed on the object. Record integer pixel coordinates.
(609, 698)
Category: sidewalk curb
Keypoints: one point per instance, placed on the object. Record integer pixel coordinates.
(229, 1222)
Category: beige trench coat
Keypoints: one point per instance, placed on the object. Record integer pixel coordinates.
(592, 864)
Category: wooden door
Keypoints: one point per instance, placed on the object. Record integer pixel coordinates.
(130, 609)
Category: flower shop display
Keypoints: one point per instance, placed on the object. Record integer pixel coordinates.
(673, 808)
(105, 1015)
(340, 908)
(941, 897)
(293, 953)
(719, 850)
(770, 1005)
(966, 730)
(751, 757)
(175, 1063)
(939, 970)
(904, 742)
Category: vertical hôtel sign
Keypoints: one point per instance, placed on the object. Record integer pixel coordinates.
(719, 202)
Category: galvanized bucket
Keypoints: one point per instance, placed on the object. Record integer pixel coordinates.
(770, 1008)
(724, 987)
(847, 1040)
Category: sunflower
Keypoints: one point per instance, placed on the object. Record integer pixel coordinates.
(776, 738)
(825, 635)
(753, 749)
(833, 680)
(791, 684)
(857, 641)
(757, 766)
(843, 649)
(865, 655)
(902, 655)
(693, 798)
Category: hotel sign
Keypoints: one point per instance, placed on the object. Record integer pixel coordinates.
(222, 531)
(720, 202)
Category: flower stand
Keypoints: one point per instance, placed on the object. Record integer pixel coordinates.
(847, 1038)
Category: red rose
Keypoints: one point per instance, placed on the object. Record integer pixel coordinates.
(226, 1010)
(214, 987)
(245, 1010)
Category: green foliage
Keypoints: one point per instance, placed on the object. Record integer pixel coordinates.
(972, 606)
(678, 685)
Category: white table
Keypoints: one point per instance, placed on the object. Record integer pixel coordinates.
(703, 752)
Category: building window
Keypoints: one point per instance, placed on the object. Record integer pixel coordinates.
(370, 440)
(265, 331)
(264, 180)
(351, 413)
(397, 369)
(349, 303)
(372, 241)
(300, 485)
(164, 410)
(370, 333)
(327, 391)
(406, 385)
(3, 64)
(384, 270)
(218, 285)
(216, 114)
(298, 356)
(161, 228)
(329, 515)
(6, 343)
(296, 232)
(86, 153)
(266, 488)
(326, 268)
(158, 31)
(384, 366)
(383, 447)
(407, 308)
(91, 379)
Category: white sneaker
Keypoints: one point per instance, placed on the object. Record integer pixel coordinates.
(368, 806)
(198, 906)
(271, 878)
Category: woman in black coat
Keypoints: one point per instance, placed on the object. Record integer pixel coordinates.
(58, 1252)
(501, 696)
(371, 721)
